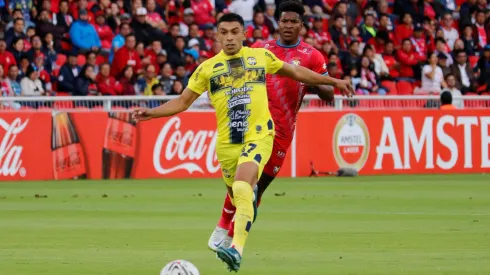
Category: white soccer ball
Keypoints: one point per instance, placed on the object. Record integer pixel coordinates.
(180, 267)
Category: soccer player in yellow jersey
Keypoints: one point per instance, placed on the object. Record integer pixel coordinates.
(235, 81)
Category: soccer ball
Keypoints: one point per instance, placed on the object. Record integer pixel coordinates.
(180, 267)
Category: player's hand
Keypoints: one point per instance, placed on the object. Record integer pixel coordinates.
(345, 87)
(141, 114)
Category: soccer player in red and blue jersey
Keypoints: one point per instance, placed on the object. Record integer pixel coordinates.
(285, 97)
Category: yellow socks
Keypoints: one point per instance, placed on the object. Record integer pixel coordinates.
(243, 199)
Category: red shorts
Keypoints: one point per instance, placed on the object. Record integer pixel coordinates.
(279, 151)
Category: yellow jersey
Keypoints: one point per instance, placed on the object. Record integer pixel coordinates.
(237, 90)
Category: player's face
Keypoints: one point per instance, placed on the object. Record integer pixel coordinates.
(231, 36)
(290, 25)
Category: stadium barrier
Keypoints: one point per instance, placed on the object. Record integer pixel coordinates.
(94, 145)
(125, 103)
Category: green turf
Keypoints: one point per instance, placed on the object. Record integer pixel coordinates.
(421, 225)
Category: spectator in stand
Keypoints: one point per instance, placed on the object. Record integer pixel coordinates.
(333, 70)
(13, 81)
(83, 35)
(413, 7)
(166, 78)
(270, 20)
(443, 64)
(187, 21)
(85, 82)
(17, 32)
(340, 9)
(336, 32)
(145, 32)
(161, 59)
(432, 77)
(442, 48)
(446, 101)
(191, 56)
(405, 29)
(17, 49)
(451, 88)
(369, 80)
(386, 26)
(479, 29)
(4, 85)
(318, 33)
(194, 34)
(107, 84)
(244, 8)
(118, 40)
(157, 89)
(450, 33)
(462, 71)
(127, 81)
(24, 6)
(6, 58)
(178, 56)
(419, 42)
(30, 84)
(352, 58)
(17, 14)
(50, 52)
(144, 84)
(44, 76)
(470, 41)
(368, 30)
(151, 53)
(91, 59)
(44, 26)
(68, 73)
(465, 12)
(209, 36)
(258, 23)
(483, 68)
(153, 17)
(126, 56)
(408, 59)
(63, 18)
(181, 74)
(23, 65)
(204, 12)
(35, 49)
(379, 65)
(104, 32)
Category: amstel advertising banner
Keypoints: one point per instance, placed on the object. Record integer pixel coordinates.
(100, 145)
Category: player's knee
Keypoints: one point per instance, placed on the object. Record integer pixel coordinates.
(242, 188)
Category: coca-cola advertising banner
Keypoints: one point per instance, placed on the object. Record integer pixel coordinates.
(101, 145)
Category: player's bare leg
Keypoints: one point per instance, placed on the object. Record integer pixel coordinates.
(243, 196)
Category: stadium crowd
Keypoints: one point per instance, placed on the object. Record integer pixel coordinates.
(151, 47)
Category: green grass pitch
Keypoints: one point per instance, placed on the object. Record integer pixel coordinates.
(421, 225)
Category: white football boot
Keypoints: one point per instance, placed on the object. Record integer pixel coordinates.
(217, 238)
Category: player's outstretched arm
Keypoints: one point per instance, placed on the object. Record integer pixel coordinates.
(309, 77)
(170, 108)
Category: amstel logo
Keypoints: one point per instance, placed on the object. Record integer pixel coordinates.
(351, 142)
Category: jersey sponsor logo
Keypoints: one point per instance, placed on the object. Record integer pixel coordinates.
(251, 61)
(217, 65)
(239, 100)
(281, 154)
(351, 142)
(11, 154)
(238, 114)
(197, 74)
(236, 77)
(324, 66)
(270, 56)
(239, 90)
(188, 147)
(276, 169)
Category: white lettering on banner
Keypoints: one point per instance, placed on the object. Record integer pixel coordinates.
(448, 142)
(467, 122)
(485, 141)
(417, 144)
(177, 146)
(387, 135)
(10, 155)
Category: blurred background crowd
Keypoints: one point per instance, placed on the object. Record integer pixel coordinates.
(124, 47)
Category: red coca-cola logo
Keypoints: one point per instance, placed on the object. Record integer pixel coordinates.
(11, 154)
(69, 162)
(122, 137)
(189, 148)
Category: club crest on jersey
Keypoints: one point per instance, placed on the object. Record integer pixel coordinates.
(295, 62)
(251, 61)
(226, 173)
(258, 128)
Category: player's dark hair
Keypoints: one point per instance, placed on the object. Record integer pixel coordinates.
(292, 6)
(231, 17)
(446, 98)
